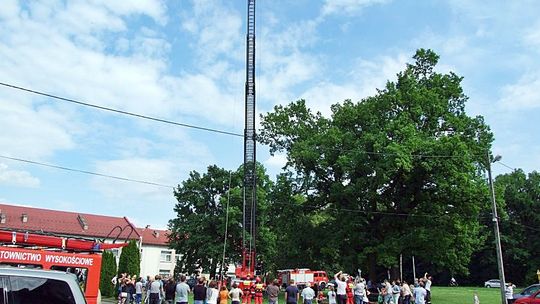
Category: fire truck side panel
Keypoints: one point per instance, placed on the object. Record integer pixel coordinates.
(59, 260)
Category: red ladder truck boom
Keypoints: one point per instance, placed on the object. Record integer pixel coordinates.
(249, 235)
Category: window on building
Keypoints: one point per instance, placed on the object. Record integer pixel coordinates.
(166, 256)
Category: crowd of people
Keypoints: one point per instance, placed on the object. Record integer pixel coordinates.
(357, 291)
(344, 290)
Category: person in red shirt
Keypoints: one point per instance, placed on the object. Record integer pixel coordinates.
(349, 290)
(259, 289)
(246, 290)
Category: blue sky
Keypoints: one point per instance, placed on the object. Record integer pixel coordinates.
(184, 61)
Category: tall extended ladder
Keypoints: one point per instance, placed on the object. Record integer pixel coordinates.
(250, 176)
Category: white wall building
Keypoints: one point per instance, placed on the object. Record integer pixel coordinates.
(156, 256)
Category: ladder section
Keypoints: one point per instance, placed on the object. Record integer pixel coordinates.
(250, 178)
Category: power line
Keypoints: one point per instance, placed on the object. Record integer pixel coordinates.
(366, 212)
(86, 104)
(86, 172)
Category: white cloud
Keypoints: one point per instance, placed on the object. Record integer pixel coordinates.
(153, 8)
(151, 170)
(320, 97)
(523, 94)
(532, 36)
(12, 177)
(348, 6)
(276, 162)
(9, 9)
(365, 78)
(216, 28)
(33, 133)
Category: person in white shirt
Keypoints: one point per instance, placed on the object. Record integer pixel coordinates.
(406, 292)
(138, 291)
(359, 290)
(476, 299)
(235, 294)
(308, 294)
(420, 294)
(182, 291)
(396, 290)
(155, 291)
(509, 292)
(212, 293)
(331, 295)
(427, 279)
(341, 289)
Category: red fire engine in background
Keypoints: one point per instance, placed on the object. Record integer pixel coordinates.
(81, 257)
(302, 276)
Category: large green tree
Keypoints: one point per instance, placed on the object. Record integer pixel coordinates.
(399, 172)
(197, 232)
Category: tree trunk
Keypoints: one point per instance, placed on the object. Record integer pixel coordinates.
(213, 266)
(394, 273)
(372, 267)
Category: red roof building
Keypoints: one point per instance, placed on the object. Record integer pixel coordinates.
(154, 236)
(66, 223)
(156, 257)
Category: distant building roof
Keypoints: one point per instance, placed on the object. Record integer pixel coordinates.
(154, 236)
(66, 223)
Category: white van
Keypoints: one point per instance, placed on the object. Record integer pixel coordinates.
(36, 286)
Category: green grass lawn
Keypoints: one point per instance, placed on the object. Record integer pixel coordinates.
(464, 295)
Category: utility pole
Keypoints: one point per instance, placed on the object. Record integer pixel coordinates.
(413, 269)
(401, 267)
(495, 220)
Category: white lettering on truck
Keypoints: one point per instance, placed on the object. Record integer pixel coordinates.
(71, 260)
(20, 256)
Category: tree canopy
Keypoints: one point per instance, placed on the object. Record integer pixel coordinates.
(198, 229)
(520, 196)
(398, 172)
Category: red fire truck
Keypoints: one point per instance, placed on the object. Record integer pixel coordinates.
(77, 256)
(302, 276)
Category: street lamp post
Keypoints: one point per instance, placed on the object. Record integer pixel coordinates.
(495, 220)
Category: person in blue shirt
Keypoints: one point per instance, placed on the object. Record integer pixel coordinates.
(419, 293)
(292, 293)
